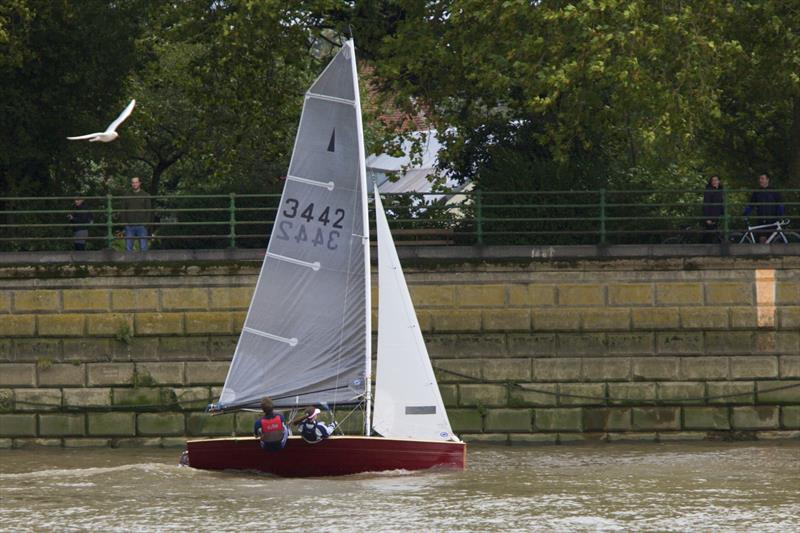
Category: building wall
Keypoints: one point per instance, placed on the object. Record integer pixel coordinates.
(526, 350)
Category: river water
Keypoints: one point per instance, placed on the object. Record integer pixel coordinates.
(607, 487)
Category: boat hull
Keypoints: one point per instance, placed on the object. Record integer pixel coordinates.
(335, 456)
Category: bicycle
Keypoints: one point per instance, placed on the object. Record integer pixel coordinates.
(779, 233)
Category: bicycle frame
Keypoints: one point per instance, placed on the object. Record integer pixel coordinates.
(777, 233)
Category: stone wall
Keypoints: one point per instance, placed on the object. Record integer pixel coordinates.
(527, 350)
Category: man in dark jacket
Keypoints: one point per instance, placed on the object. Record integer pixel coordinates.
(80, 217)
(136, 215)
(713, 209)
(767, 203)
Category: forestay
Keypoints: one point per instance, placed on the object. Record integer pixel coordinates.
(305, 336)
(408, 403)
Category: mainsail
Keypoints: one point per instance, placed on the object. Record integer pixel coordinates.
(408, 403)
(306, 335)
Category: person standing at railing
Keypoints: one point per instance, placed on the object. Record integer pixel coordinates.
(768, 205)
(81, 217)
(136, 214)
(713, 209)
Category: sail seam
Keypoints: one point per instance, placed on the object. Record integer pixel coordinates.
(335, 99)
(324, 184)
(290, 341)
(313, 266)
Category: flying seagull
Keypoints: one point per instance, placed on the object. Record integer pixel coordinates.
(110, 134)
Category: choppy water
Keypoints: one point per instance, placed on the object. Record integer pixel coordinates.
(610, 487)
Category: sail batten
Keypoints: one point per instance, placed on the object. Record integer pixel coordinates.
(331, 98)
(326, 184)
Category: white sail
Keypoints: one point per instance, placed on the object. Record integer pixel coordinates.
(305, 338)
(408, 403)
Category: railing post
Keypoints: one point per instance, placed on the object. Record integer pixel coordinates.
(602, 216)
(726, 217)
(478, 217)
(232, 209)
(109, 223)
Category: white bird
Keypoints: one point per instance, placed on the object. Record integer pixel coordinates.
(110, 134)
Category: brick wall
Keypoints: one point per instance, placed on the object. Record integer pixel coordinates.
(526, 351)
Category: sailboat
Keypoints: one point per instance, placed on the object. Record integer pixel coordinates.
(306, 339)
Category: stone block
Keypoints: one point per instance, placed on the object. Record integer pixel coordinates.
(222, 347)
(754, 366)
(557, 369)
(633, 436)
(581, 394)
(230, 297)
(465, 420)
(87, 349)
(607, 419)
(531, 295)
(681, 392)
(679, 293)
(6, 400)
(184, 348)
(60, 325)
(458, 370)
(517, 420)
(776, 342)
(710, 418)
(704, 318)
(631, 393)
(533, 394)
(136, 442)
(86, 299)
(581, 294)
(779, 392)
(134, 300)
(729, 293)
(756, 417)
(211, 373)
(582, 438)
(204, 322)
(731, 392)
(558, 419)
(62, 425)
(191, 398)
(507, 370)
(506, 320)
(630, 343)
(87, 397)
(533, 439)
(789, 366)
(136, 349)
(184, 298)
(160, 424)
(790, 416)
(6, 444)
(650, 368)
(728, 342)
(536, 344)
(424, 319)
(606, 368)
(17, 425)
(37, 399)
(556, 319)
(630, 294)
(17, 375)
(582, 344)
(118, 325)
(656, 418)
(467, 320)
(158, 323)
(205, 424)
(161, 373)
(704, 368)
(36, 300)
(99, 374)
(655, 318)
(112, 424)
(243, 424)
(5, 302)
(606, 319)
(480, 295)
(485, 438)
(679, 343)
(790, 318)
(139, 397)
(483, 395)
(787, 292)
(449, 394)
(18, 326)
(6, 350)
(744, 317)
(86, 443)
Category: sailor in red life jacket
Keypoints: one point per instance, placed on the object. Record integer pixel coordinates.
(311, 429)
(271, 429)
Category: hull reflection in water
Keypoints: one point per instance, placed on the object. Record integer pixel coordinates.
(610, 487)
(335, 456)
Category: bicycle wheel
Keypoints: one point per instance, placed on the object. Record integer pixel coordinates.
(792, 236)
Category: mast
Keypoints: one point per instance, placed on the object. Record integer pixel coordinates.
(362, 171)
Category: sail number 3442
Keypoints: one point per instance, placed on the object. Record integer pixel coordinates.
(331, 220)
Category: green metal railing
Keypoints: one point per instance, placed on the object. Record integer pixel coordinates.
(468, 218)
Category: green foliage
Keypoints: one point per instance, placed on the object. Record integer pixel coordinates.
(124, 333)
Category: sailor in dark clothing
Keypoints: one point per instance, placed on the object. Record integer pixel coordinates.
(768, 205)
(81, 217)
(713, 209)
(271, 429)
(311, 429)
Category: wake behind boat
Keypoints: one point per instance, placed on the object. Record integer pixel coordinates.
(307, 335)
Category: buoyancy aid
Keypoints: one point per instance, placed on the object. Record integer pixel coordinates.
(312, 431)
(271, 429)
